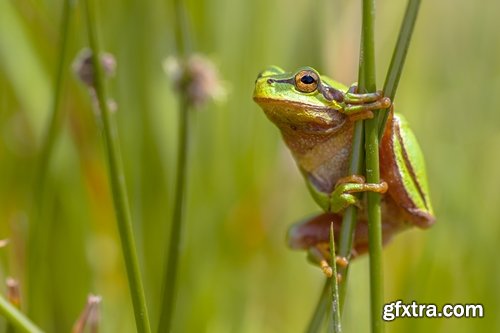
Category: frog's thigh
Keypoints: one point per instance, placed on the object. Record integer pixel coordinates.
(402, 166)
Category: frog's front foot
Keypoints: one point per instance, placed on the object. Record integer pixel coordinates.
(342, 196)
(361, 106)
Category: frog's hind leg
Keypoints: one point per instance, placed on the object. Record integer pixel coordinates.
(313, 235)
(402, 166)
(320, 255)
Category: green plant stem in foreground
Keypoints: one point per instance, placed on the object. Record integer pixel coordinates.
(349, 218)
(117, 180)
(356, 163)
(17, 318)
(170, 275)
(336, 326)
(319, 312)
(348, 227)
(367, 63)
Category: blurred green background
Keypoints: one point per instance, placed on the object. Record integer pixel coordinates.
(236, 274)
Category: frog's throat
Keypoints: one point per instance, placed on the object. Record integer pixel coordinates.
(322, 158)
(304, 137)
(296, 119)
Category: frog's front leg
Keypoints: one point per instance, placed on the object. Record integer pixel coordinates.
(361, 106)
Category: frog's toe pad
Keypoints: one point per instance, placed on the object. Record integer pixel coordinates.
(327, 270)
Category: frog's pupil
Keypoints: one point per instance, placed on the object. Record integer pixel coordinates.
(307, 79)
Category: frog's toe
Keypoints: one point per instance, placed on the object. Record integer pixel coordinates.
(347, 199)
(342, 261)
(327, 270)
(359, 179)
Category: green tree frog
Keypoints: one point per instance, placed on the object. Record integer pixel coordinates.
(316, 116)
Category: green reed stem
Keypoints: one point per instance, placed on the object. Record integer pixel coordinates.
(170, 278)
(349, 218)
(367, 62)
(319, 312)
(398, 58)
(336, 325)
(40, 234)
(56, 115)
(169, 283)
(17, 318)
(357, 154)
(117, 182)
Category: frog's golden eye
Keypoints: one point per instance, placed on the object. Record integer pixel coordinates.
(306, 81)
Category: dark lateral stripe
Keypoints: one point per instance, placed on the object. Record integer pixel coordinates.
(409, 165)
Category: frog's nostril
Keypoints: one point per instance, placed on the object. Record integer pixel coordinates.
(270, 81)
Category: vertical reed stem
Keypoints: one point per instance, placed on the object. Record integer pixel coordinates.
(367, 63)
(117, 182)
(336, 325)
(357, 158)
(170, 278)
(169, 283)
(39, 235)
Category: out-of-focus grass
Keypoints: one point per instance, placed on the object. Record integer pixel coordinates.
(236, 274)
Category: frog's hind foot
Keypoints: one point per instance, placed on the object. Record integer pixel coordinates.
(313, 235)
(320, 255)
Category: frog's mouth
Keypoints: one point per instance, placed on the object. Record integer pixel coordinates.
(300, 117)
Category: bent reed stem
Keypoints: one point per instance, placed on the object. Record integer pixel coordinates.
(16, 318)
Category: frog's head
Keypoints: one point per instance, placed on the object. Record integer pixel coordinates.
(300, 102)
